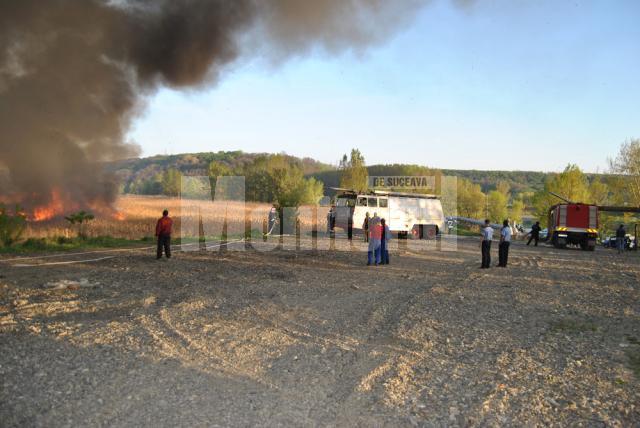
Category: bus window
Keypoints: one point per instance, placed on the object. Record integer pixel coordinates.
(384, 203)
(373, 202)
(362, 202)
(346, 202)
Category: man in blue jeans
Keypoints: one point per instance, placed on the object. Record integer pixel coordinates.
(621, 237)
(373, 254)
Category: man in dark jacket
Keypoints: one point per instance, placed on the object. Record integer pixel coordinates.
(621, 238)
(163, 232)
(535, 233)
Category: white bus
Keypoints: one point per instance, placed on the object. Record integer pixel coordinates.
(407, 214)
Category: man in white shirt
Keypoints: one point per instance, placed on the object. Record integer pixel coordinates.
(485, 244)
(505, 241)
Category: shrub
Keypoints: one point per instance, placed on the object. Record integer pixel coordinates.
(11, 225)
(79, 219)
(36, 244)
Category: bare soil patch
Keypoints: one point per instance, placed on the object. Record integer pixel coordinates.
(289, 337)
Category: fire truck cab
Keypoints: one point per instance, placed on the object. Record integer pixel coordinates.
(407, 214)
(573, 224)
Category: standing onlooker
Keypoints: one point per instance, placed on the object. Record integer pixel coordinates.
(535, 233)
(385, 236)
(273, 219)
(375, 235)
(365, 227)
(331, 219)
(505, 241)
(621, 237)
(163, 232)
(485, 244)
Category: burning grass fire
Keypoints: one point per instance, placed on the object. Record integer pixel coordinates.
(58, 206)
(54, 208)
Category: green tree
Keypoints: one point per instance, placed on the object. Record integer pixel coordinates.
(471, 200)
(571, 184)
(627, 164)
(171, 181)
(313, 191)
(598, 192)
(503, 187)
(517, 210)
(220, 174)
(353, 172)
(497, 206)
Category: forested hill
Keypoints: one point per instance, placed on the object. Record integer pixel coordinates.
(144, 175)
(518, 181)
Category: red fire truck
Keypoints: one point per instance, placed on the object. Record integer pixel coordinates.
(573, 223)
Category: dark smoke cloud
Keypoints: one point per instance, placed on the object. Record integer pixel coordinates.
(75, 73)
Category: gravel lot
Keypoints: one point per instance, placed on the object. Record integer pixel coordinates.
(285, 337)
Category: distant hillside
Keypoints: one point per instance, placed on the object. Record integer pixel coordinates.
(142, 175)
(519, 181)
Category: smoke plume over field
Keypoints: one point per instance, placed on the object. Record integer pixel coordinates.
(75, 73)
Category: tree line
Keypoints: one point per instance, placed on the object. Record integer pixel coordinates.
(289, 181)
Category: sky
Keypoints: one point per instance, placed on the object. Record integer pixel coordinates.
(498, 85)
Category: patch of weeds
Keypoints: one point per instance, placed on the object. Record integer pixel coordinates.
(634, 360)
(620, 381)
(573, 326)
(632, 340)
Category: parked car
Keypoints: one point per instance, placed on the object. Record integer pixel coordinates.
(544, 233)
(629, 242)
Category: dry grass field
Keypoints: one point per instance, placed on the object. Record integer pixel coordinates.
(136, 218)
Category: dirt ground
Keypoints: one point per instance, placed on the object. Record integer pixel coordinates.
(286, 337)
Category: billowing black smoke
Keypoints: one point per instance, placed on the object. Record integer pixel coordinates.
(75, 73)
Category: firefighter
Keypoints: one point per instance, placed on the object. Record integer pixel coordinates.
(365, 227)
(273, 219)
(163, 232)
(535, 233)
(485, 244)
(621, 238)
(505, 241)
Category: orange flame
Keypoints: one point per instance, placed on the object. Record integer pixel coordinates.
(54, 208)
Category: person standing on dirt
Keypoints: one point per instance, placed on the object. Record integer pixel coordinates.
(505, 241)
(365, 227)
(331, 219)
(385, 236)
(375, 235)
(535, 233)
(163, 232)
(273, 218)
(621, 237)
(485, 244)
